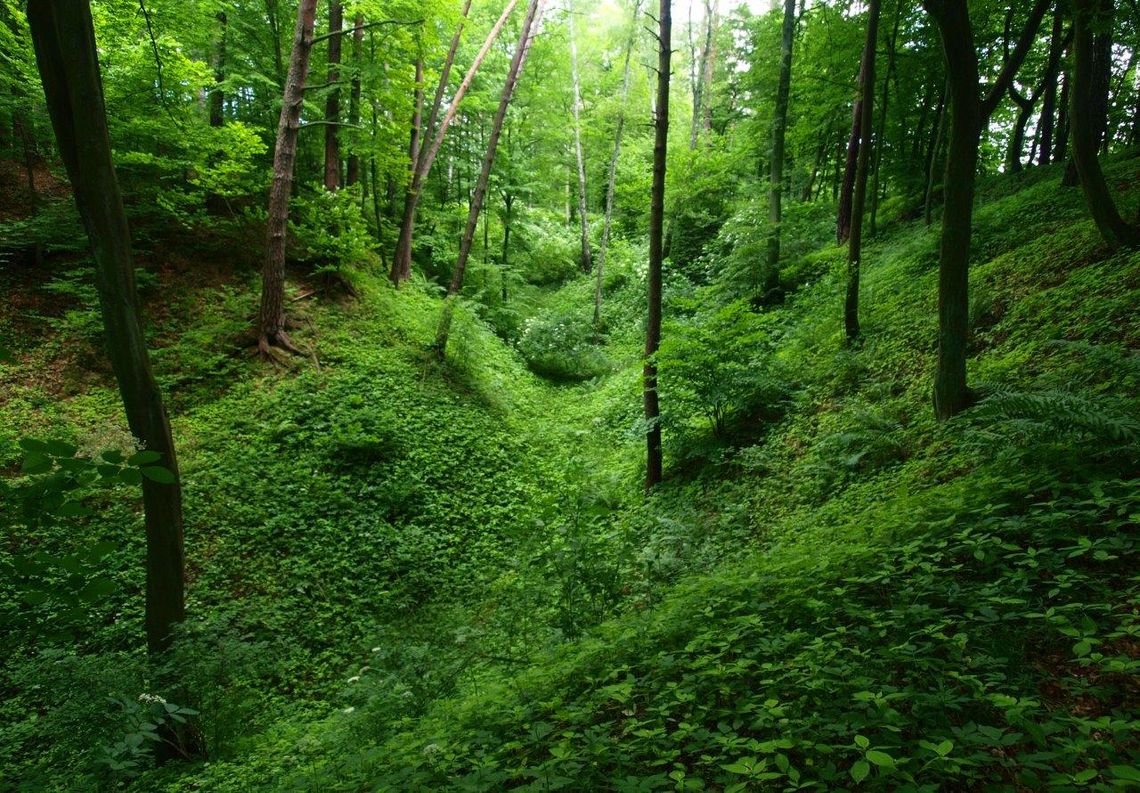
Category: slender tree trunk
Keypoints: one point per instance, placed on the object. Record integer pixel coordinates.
(809, 188)
(352, 170)
(935, 152)
(1061, 149)
(271, 318)
(847, 190)
(1046, 125)
(653, 467)
(518, 60)
(880, 133)
(712, 11)
(779, 134)
(332, 102)
(402, 261)
(866, 103)
(586, 258)
(1089, 16)
(611, 180)
(217, 95)
(64, 41)
(702, 77)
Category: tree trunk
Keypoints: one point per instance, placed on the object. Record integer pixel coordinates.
(846, 191)
(702, 82)
(1047, 123)
(352, 170)
(880, 133)
(217, 95)
(968, 113)
(866, 104)
(779, 134)
(586, 259)
(1087, 128)
(611, 180)
(653, 467)
(332, 101)
(935, 152)
(809, 188)
(1061, 149)
(271, 320)
(402, 261)
(518, 60)
(65, 48)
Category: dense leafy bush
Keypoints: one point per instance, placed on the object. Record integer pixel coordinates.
(562, 347)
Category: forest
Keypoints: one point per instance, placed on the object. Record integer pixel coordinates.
(585, 395)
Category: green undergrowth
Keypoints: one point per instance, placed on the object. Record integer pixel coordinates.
(430, 576)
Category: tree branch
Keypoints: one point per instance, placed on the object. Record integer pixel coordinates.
(354, 28)
(1017, 57)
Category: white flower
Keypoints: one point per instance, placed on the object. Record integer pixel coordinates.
(354, 678)
(375, 649)
(348, 710)
(431, 748)
(152, 699)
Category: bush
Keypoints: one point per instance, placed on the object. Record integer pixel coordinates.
(561, 346)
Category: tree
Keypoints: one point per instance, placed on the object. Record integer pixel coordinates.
(970, 110)
(779, 135)
(611, 180)
(1087, 128)
(64, 41)
(352, 167)
(332, 101)
(402, 260)
(653, 467)
(518, 60)
(271, 318)
(865, 104)
(1047, 124)
(587, 264)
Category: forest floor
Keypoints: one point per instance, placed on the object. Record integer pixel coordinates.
(414, 575)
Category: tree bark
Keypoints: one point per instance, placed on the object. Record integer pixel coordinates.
(1087, 128)
(866, 103)
(402, 261)
(880, 132)
(779, 135)
(846, 191)
(64, 41)
(332, 101)
(518, 60)
(352, 169)
(932, 159)
(611, 180)
(271, 319)
(653, 467)
(1046, 125)
(217, 95)
(968, 112)
(586, 258)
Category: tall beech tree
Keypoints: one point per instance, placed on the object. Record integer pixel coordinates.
(402, 260)
(332, 101)
(1048, 121)
(970, 110)
(779, 139)
(866, 105)
(518, 60)
(611, 179)
(64, 41)
(271, 318)
(1088, 17)
(652, 405)
(584, 221)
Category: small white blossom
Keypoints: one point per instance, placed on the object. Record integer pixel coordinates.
(354, 678)
(154, 699)
(349, 709)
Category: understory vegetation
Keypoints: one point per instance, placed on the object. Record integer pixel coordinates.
(370, 424)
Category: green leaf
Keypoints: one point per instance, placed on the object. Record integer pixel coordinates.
(862, 742)
(1129, 772)
(73, 509)
(61, 449)
(6, 355)
(36, 463)
(156, 473)
(113, 456)
(144, 458)
(860, 770)
(881, 759)
(32, 445)
(131, 476)
(97, 590)
(944, 748)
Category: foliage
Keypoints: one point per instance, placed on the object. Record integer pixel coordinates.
(561, 346)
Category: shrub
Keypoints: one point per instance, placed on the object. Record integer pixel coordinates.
(560, 346)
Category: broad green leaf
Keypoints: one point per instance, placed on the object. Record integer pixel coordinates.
(157, 473)
(860, 770)
(144, 458)
(881, 759)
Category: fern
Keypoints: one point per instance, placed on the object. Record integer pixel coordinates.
(1055, 411)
